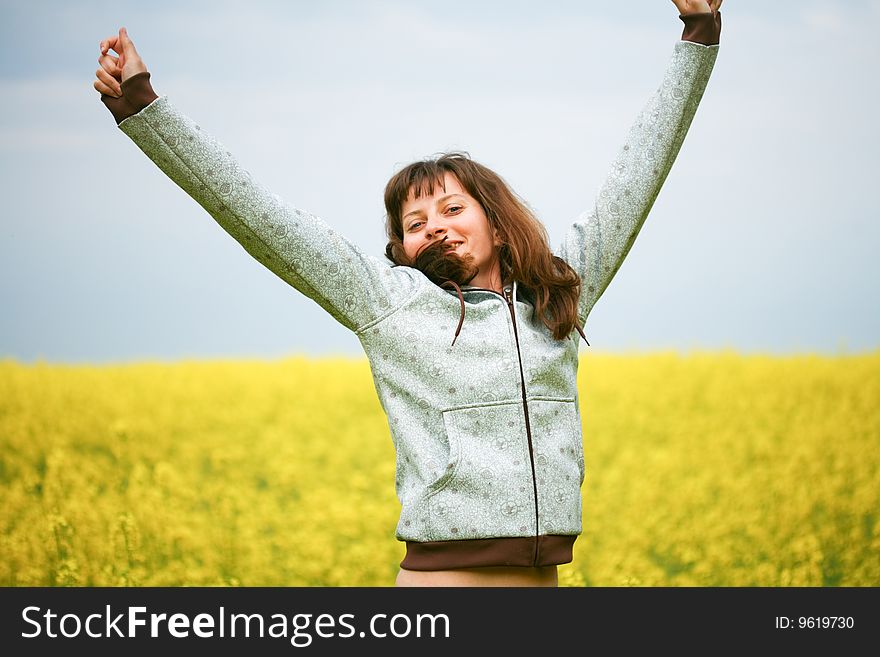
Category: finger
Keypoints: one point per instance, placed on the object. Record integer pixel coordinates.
(109, 81)
(104, 89)
(111, 64)
(110, 43)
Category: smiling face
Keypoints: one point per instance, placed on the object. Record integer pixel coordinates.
(453, 215)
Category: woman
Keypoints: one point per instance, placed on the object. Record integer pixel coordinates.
(471, 330)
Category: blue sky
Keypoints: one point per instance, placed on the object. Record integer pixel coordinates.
(763, 239)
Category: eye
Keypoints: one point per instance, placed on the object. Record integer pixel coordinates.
(454, 207)
(414, 224)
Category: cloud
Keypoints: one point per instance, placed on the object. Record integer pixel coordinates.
(42, 139)
(48, 114)
(826, 18)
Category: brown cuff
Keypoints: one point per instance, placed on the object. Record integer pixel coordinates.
(137, 93)
(702, 28)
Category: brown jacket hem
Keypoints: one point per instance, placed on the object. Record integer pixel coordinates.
(526, 551)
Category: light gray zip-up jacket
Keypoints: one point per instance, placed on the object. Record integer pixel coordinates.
(487, 430)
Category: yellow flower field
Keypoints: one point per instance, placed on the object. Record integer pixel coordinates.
(706, 469)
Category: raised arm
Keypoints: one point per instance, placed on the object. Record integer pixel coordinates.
(355, 288)
(597, 242)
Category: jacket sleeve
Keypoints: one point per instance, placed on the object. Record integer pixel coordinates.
(599, 239)
(357, 289)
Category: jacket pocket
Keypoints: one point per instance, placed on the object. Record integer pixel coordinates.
(443, 477)
(557, 436)
(557, 441)
(486, 487)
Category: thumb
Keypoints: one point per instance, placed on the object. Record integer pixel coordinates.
(128, 49)
(130, 62)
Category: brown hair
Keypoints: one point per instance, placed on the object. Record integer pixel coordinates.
(524, 254)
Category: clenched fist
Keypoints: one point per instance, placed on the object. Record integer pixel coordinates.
(116, 70)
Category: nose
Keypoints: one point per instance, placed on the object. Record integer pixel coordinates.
(435, 229)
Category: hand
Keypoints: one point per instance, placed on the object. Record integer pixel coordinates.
(697, 6)
(116, 70)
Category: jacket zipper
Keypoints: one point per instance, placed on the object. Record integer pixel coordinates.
(507, 295)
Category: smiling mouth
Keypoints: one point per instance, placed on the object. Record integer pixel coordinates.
(453, 245)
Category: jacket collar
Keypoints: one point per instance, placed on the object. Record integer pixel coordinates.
(453, 287)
